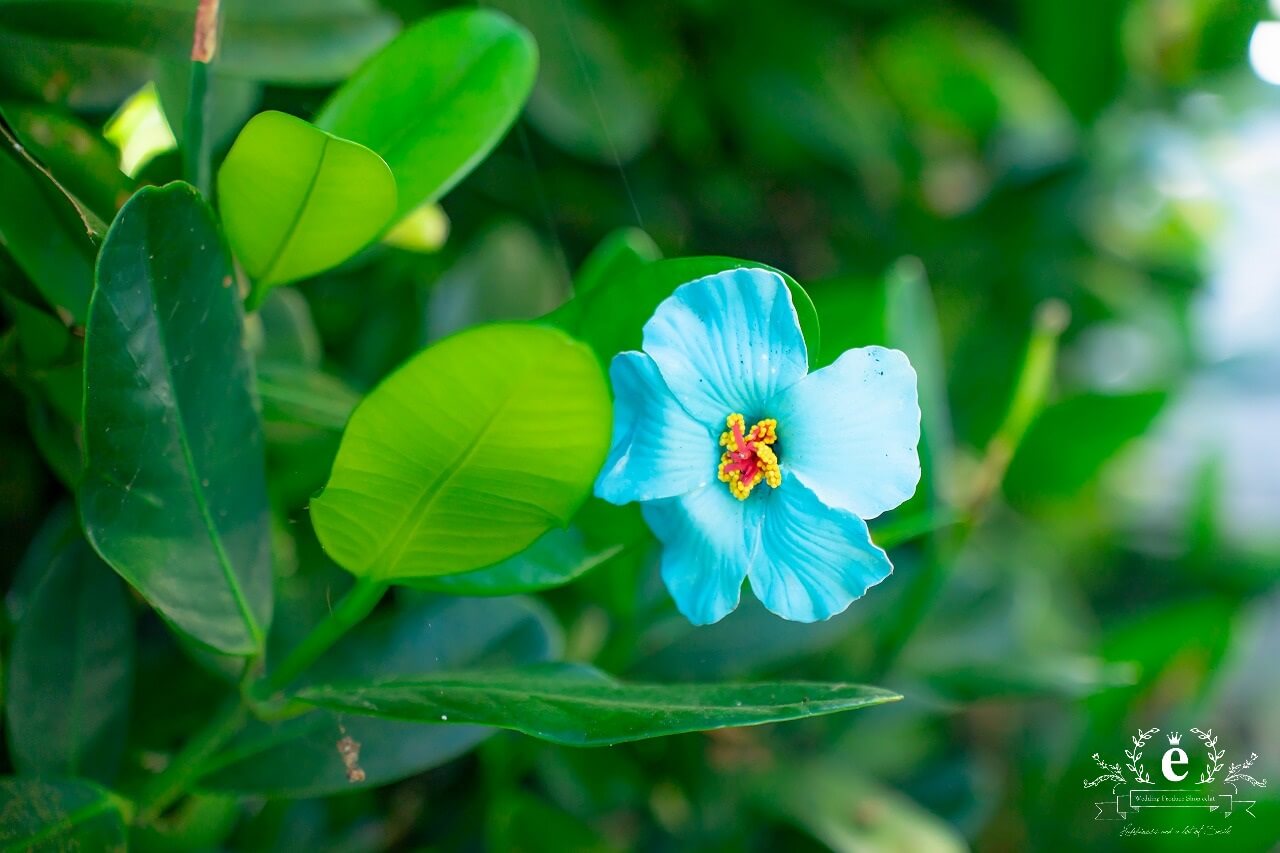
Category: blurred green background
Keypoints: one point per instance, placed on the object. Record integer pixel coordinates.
(934, 173)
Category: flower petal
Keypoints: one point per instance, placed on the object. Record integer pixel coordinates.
(658, 450)
(708, 540)
(849, 431)
(727, 343)
(814, 560)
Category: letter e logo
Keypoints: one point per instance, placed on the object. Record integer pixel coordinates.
(1175, 757)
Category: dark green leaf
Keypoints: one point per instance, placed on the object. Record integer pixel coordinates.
(1072, 439)
(506, 274)
(555, 559)
(174, 496)
(593, 98)
(285, 41)
(581, 706)
(42, 230)
(82, 161)
(51, 817)
(70, 668)
(299, 757)
(466, 454)
(610, 317)
(618, 254)
(436, 100)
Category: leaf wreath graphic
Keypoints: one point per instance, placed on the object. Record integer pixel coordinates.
(1134, 755)
(1214, 765)
(1114, 773)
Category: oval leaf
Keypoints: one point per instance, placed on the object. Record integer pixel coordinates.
(436, 100)
(297, 758)
(296, 200)
(581, 706)
(174, 494)
(70, 815)
(70, 668)
(466, 454)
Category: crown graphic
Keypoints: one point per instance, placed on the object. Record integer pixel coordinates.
(1175, 738)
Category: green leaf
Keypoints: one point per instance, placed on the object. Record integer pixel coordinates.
(1071, 440)
(911, 325)
(85, 163)
(286, 333)
(298, 757)
(294, 395)
(505, 274)
(57, 816)
(70, 670)
(581, 706)
(43, 232)
(598, 95)
(850, 813)
(619, 253)
(174, 496)
(466, 454)
(610, 317)
(555, 559)
(285, 41)
(436, 100)
(296, 201)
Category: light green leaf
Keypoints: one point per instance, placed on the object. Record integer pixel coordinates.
(70, 670)
(466, 454)
(581, 706)
(555, 559)
(57, 816)
(174, 496)
(297, 758)
(296, 200)
(436, 100)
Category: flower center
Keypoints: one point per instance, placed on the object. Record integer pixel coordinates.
(748, 456)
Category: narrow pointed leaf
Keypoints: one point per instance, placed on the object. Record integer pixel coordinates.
(466, 454)
(581, 706)
(296, 200)
(436, 100)
(174, 493)
(297, 758)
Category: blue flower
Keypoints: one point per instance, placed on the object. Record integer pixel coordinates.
(746, 465)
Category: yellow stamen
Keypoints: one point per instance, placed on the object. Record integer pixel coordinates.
(748, 458)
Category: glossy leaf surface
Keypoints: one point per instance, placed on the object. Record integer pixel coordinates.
(174, 493)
